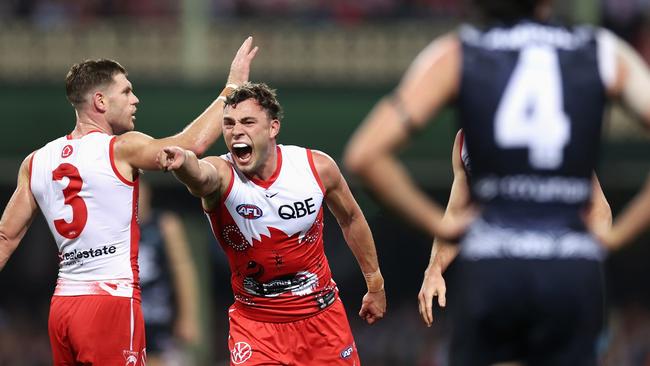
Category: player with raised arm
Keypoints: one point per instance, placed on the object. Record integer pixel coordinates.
(86, 185)
(264, 202)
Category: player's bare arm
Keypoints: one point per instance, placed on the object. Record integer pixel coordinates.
(598, 216)
(632, 85)
(18, 214)
(135, 150)
(631, 79)
(371, 151)
(634, 220)
(207, 178)
(184, 276)
(443, 253)
(357, 234)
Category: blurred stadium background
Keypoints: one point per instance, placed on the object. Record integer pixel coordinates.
(330, 61)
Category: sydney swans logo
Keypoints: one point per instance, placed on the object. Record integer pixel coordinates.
(241, 352)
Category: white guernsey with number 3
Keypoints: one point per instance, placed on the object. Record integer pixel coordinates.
(98, 247)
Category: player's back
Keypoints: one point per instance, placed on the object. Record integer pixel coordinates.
(531, 104)
(91, 211)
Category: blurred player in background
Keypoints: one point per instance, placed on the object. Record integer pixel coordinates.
(530, 97)
(86, 185)
(265, 206)
(169, 285)
(598, 216)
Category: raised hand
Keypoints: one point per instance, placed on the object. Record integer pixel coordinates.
(241, 64)
(171, 158)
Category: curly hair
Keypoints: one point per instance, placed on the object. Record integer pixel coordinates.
(262, 93)
(87, 75)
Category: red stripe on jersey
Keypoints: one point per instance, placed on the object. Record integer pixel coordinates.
(135, 239)
(232, 182)
(268, 182)
(111, 153)
(31, 162)
(225, 194)
(310, 157)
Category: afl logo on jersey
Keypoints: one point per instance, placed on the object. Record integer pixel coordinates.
(248, 211)
(347, 353)
(67, 151)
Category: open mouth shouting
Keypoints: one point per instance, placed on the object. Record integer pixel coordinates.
(243, 152)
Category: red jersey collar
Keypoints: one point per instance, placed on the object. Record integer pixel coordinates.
(268, 182)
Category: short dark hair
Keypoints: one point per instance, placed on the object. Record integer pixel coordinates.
(262, 93)
(506, 11)
(87, 75)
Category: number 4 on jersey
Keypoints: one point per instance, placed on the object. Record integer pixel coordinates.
(531, 112)
(73, 228)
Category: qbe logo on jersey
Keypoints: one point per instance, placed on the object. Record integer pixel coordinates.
(241, 352)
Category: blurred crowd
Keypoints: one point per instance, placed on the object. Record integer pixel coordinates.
(47, 12)
(628, 18)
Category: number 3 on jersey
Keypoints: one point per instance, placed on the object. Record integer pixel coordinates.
(531, 112)
(73, 228)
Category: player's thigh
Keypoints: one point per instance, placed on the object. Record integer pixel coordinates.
(253, 343)
(57, 327)
(489, 313)
(326, 339)
(570, 310)
(108, 330)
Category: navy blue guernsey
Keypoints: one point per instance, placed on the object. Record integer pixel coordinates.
(531, 105)
(155, 281)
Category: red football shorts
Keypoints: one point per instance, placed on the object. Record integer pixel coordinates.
(323, 339)
(96, 330)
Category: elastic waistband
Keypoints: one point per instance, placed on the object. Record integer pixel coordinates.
(119, 288)
(484, 240)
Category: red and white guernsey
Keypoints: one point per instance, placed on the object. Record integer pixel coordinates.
(91, 210)
(272, 233)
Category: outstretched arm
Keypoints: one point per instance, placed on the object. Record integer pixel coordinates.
(135, 150)
(429, 84)
(18, 214)
(357, 234)
(206, 178)
(443, 253)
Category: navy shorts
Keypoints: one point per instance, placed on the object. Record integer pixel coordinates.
(536, 311)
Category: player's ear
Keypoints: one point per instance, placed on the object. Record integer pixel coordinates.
(275, 128)
(99, 101)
